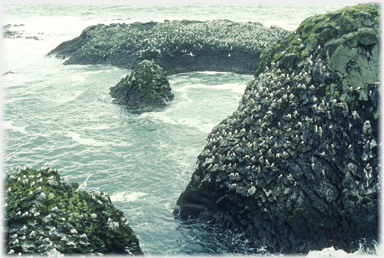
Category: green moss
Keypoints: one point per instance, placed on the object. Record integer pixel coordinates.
(346, 76)
(327, 90)
(376, 115)
(336, 93)
(322, 29)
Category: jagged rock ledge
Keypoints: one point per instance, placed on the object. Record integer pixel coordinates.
(48, 215)
(145, 89)
(177, 46)
(296, 166)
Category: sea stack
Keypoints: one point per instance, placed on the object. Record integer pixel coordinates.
(296, 166)
(145, 89)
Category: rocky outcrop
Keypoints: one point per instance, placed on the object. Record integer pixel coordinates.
(47, 215)
(296, 166)
(15, 34)
(145, 89)
(177, 46)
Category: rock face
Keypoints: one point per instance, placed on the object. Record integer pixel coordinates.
(177, 46)
(296, 166)
(145, 89)
(47, 215)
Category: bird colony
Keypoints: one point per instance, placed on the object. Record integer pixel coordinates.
(146, 88)
(174, 45)
(296, 166)
(47, 215)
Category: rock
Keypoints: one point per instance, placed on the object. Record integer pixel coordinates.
(367, 36)
(15, 34)
(47, 215)
(310, 177)
(9, 72)
(177, 46)
(145, 89)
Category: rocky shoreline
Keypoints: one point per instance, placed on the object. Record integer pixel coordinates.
(296, 166)
(176, 46)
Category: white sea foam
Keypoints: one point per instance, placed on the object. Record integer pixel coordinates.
(332, 252)
(126, 196)
(234, 87)
(77, 78)
(9, 125)
(86, 141)
(67, 97)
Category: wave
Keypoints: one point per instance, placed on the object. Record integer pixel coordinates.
(126, 196)
(8, 125)
(234, 87)
(86, 141)
(332, 252)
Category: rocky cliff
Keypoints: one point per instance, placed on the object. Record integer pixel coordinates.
(296, 166)
(47, 215)
(177, 46)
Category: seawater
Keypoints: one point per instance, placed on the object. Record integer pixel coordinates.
(63, 115)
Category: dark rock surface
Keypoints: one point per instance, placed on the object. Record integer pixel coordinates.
(177, 46)
(296, 166)
(145, 89)
(47, 215)
(12, 31)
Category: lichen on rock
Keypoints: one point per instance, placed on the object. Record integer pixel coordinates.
(46, 214)
(146, 88)
(296, 166)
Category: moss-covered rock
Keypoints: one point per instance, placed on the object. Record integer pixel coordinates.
(177, 46)
(47, 215)
(145, 89)
(296, 166)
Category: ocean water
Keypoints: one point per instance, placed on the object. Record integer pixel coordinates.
(63, 115)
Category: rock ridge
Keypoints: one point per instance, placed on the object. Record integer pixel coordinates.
(177, 46)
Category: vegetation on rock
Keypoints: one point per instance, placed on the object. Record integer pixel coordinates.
(147, 87)
(296, 166)
(177, 46)
(47, 215)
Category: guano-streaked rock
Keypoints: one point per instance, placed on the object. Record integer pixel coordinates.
(311, 178)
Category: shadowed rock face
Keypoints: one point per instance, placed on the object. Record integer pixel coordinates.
(145, 89)
(48, 215)
(177, 46)
(296, 166)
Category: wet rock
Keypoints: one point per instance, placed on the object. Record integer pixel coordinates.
(310, 177)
